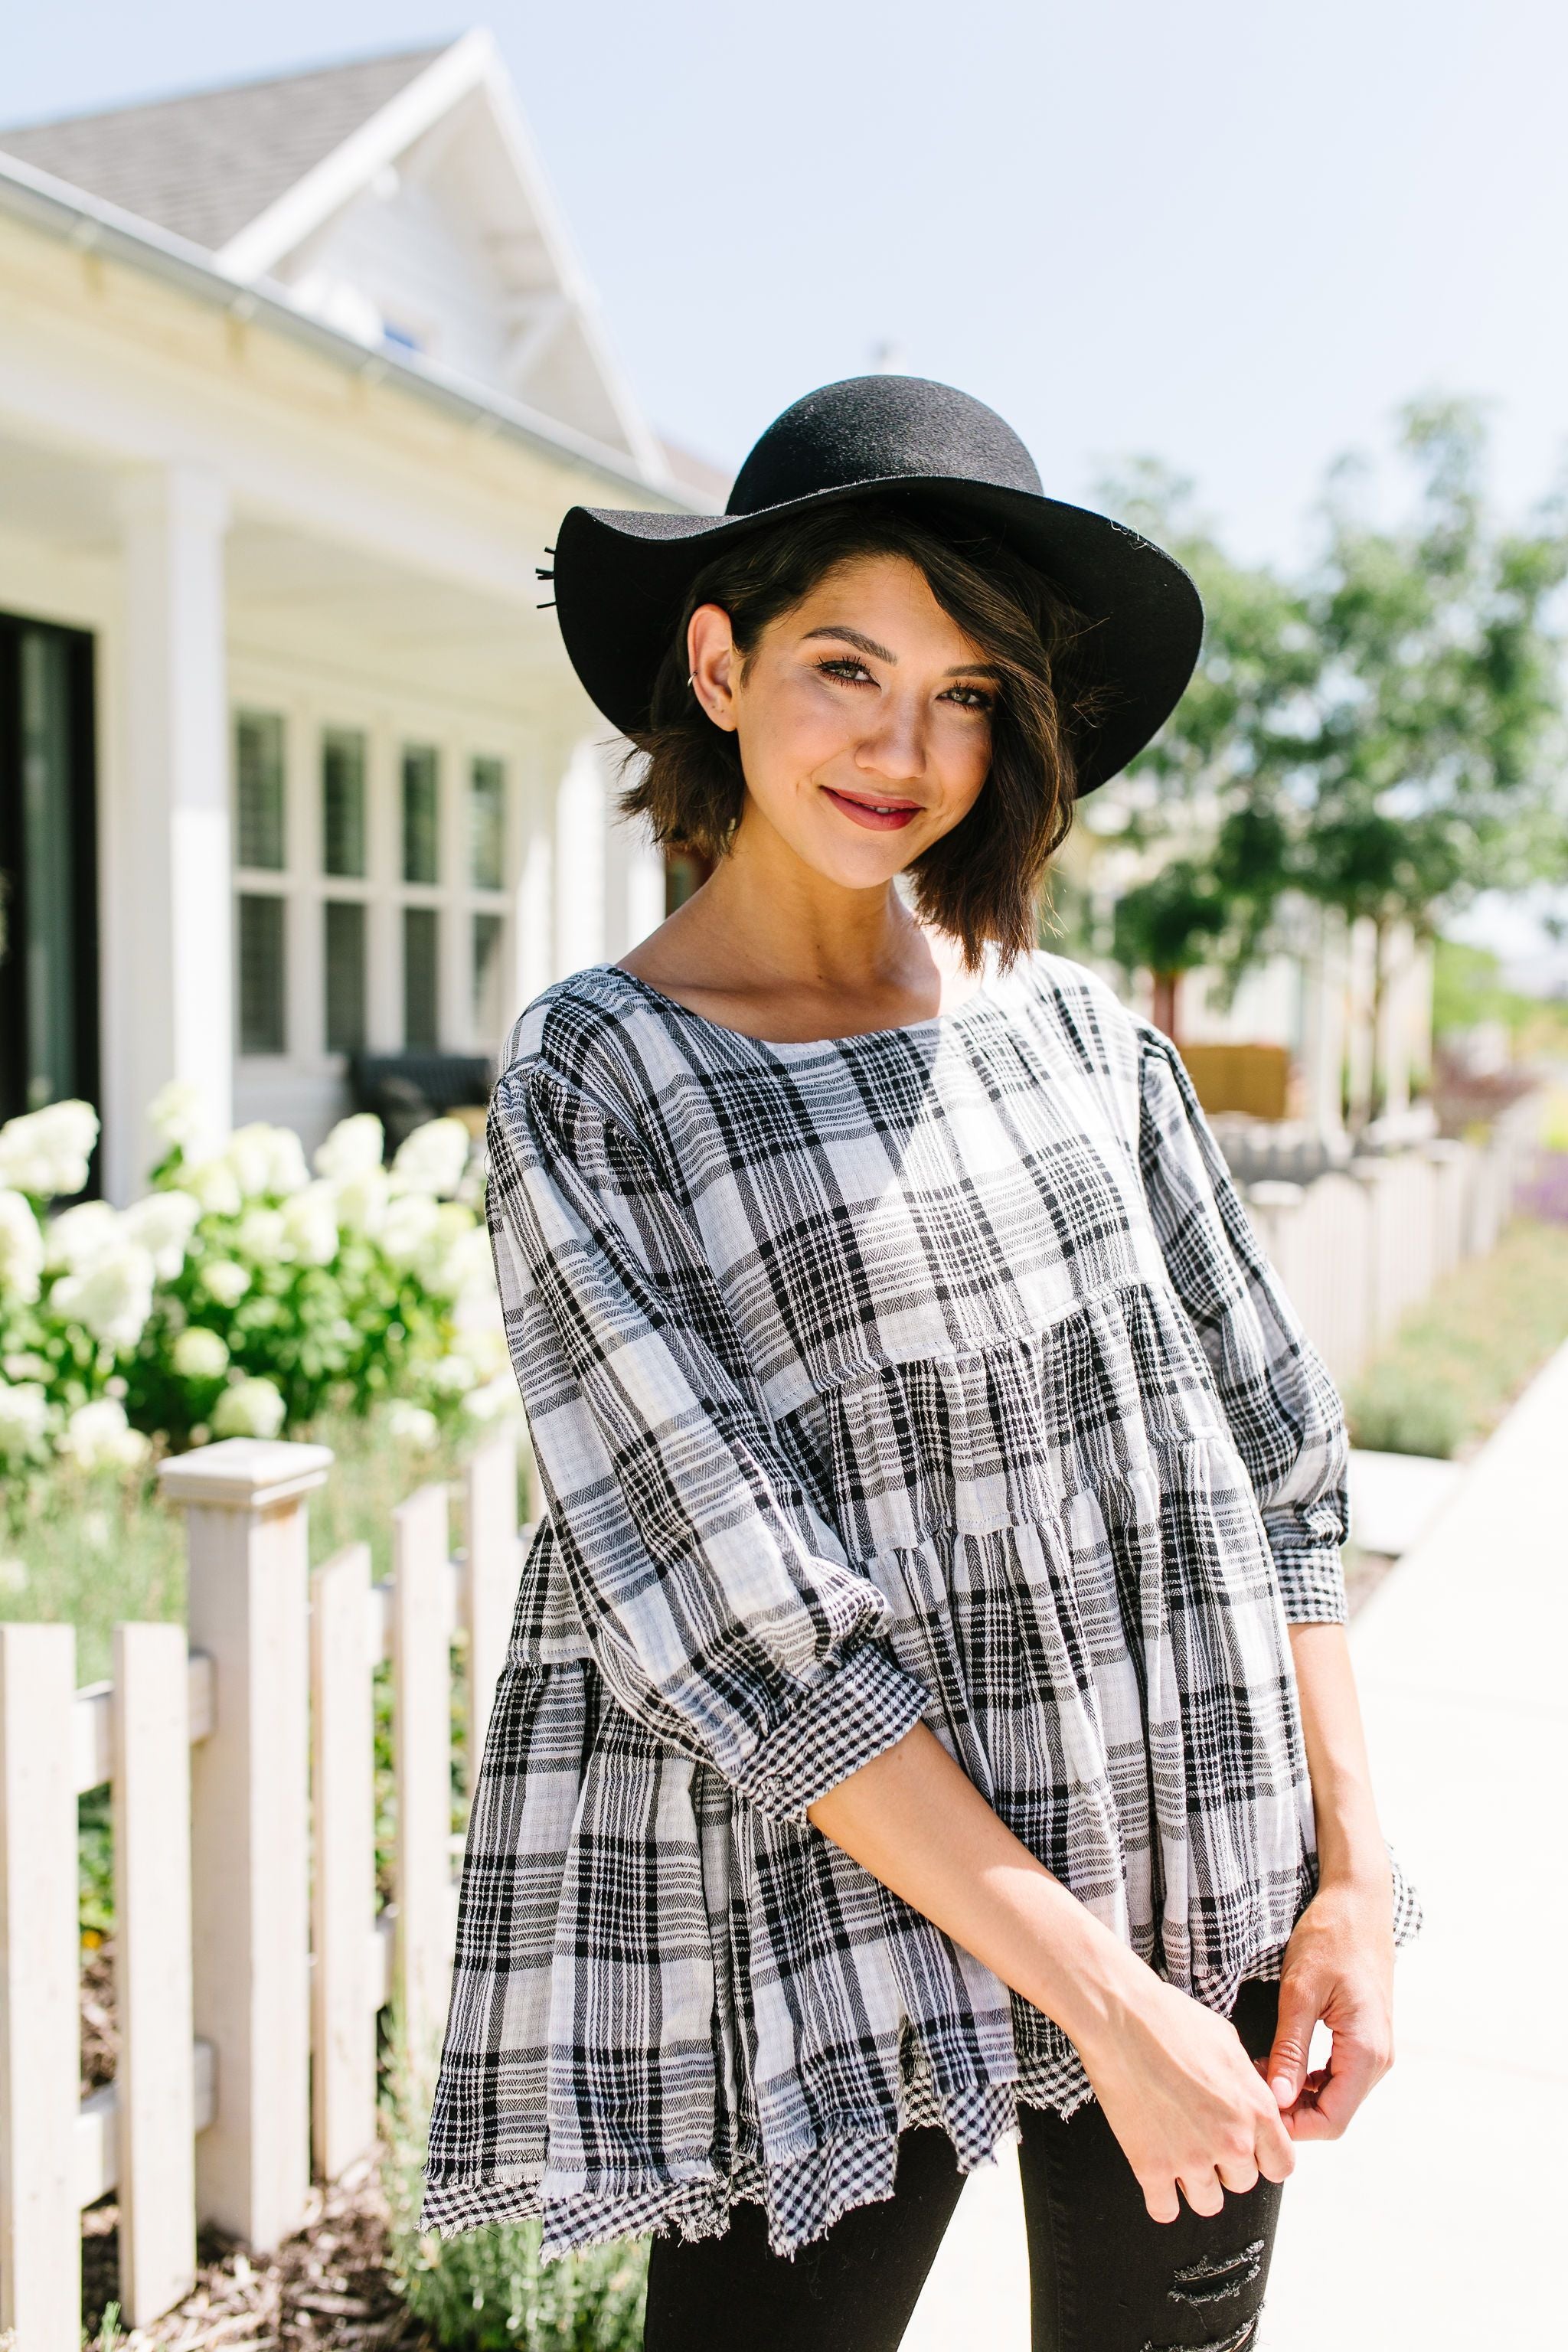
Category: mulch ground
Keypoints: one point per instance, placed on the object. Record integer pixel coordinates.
(325, 2286)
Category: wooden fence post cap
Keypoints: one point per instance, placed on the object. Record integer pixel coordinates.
(245, 1474)
(1275, 1192)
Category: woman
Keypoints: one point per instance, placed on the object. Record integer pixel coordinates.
(928, 1715)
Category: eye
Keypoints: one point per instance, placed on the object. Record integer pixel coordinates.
(846, 670)
(972, 698)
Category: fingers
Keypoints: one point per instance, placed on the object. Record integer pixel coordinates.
(1202, 2191)
(1237, 2173)
(1301, 2007)
(1275, 2156)
(1161, 2198)
(1329, 2099)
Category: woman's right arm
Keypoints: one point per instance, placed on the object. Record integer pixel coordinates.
(1177, 2086)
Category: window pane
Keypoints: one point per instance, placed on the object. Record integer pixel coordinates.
(342, 802)
(259, 789)
(49, 933)
(344, 947)
(487, 832)
(421, 814)
(489, 1001)
(261, 997)
(420, 951)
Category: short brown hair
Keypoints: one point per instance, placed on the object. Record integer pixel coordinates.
(980, 882)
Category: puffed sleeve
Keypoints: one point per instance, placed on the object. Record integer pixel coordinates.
(719, 1606)
(1282, 1407)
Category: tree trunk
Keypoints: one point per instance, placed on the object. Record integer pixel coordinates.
(1164, 1012)
(1379, 991)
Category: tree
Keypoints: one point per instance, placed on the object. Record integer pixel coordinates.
(1205, 798)
(1434, 767)
(1382, 737)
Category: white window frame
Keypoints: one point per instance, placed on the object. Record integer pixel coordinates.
(386, 725)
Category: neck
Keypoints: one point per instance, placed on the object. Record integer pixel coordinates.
(784, 924)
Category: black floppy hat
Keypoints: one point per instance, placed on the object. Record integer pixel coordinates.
(623, 575)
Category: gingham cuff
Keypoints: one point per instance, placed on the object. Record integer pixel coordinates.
(1311, 1584)
(864, 1706)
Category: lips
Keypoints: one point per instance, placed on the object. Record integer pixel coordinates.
(877, 816)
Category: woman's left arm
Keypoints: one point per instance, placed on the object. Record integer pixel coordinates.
(1339, 1964)
(1289, 1425)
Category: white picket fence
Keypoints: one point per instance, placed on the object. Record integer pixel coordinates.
(250, 1960)
(1355, 1248)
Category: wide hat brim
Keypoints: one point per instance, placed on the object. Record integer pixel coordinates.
(623, 575)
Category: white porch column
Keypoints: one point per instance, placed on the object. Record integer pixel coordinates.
(170, 912)
(534, 885)
(1323, 980)
(580, 861)
(634, 885)
(1393, 1065)
(1361, 1043)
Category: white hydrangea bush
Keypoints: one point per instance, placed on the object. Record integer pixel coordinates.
(244, 1293)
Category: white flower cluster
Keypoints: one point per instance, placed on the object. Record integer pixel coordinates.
(225, 1214)
(96, 1436)
(105, 1272)
(44, 1152)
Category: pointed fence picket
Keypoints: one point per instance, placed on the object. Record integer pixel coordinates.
(250, 1962)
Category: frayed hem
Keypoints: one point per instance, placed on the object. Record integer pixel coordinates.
(803, 2191)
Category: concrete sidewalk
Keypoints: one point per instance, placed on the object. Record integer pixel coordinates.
(1435, 2221)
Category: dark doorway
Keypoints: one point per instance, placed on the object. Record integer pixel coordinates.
(48, 868)
(685, 872)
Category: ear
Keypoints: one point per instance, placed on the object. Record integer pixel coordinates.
(715, 662)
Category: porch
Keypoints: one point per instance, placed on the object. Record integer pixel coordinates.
(327, 782)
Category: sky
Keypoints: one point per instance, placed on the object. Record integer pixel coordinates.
(1231, 234)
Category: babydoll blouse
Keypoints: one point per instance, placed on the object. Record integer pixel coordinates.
(932, 1374)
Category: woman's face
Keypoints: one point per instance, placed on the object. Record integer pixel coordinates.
(864, 719)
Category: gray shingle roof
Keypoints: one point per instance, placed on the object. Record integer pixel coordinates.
(206, 165)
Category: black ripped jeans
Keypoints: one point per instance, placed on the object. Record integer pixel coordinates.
(1103, 2276)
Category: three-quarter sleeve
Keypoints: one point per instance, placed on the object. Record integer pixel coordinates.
(1282, 1408)
(719, 1607)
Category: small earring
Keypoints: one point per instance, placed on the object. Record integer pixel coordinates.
(691, 679)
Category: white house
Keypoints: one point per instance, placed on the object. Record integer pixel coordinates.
(296, 379)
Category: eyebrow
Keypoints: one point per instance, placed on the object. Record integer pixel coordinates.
(881, 653)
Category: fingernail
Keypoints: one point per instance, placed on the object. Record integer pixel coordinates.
(1280, 2086)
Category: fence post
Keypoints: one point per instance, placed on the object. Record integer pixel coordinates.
(489, 1581)
(343, 1997)
(245, 1533)
(40, 2025)
(1274, 1206)
(1448, 1160)
(1375, 1176)
(156, 2080)
(422, 1753)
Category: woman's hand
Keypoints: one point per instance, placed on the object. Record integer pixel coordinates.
(1339, 1969)
(1177, 2086)
(1183, 2097)
(1339, 1964)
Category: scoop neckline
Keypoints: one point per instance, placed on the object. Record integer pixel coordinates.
(978, 996)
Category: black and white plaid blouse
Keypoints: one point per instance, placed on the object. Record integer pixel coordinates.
(935, 1373)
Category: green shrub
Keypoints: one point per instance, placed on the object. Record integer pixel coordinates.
(1445, 1378)
(239, 1297)
(487, 2290)
(1394, 1411)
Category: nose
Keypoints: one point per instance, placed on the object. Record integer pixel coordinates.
(893, 749)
